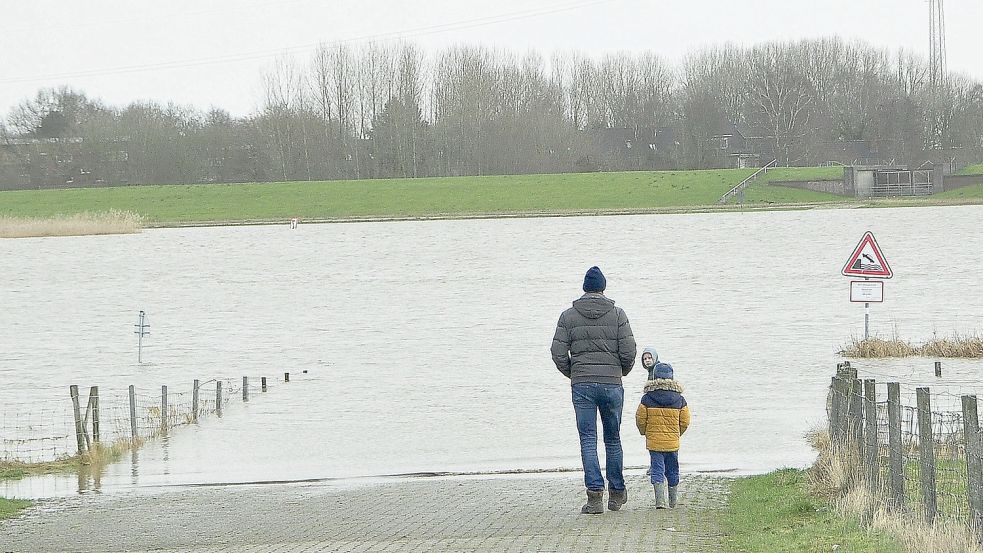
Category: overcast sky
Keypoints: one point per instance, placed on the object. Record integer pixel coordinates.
(212, 53)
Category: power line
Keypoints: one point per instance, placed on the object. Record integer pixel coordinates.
(259, 54)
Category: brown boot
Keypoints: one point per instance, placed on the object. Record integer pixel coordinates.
(617, 498)
(595, 503)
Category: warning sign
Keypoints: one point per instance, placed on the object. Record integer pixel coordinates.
(867, 260)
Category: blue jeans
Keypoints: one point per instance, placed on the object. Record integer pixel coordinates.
(665, 466)
(589, 398)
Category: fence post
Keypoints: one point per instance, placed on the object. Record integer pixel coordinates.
(974, 461)
(74, 391)
(834, 408)
(938, 369)
(894, 443)
(194, 402)
(870, 433)
(245, 388)
(856, 420)
(85, 422)
(94, 398)
(262, 383)
(218, 397)
(163, 407)
(926, 450)
(286, 377)
(133, 413)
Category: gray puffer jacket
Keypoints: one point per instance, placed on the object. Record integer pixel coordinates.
(593, 341)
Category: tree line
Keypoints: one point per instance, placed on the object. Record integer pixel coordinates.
(381, 111)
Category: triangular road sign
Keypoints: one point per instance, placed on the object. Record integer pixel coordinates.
(867, 260)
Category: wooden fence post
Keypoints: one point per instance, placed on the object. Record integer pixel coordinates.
(262, 383)
(85, 422)
(194, 402)
(894, 443)
(856, 421)
(974, 461)
(133, 413)
(74, 391)
(926, 449)
(834, 408)
(870, 433)
(245, 388)
(163, 408)
(218, 397)
(94, 398)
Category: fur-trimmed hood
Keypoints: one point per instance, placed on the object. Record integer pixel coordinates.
(667, 384)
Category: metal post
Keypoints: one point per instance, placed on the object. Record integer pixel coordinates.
(194, 402)
(894, 443)
(245, 388)
(79, 434)
(926, 450)
(163, 407)
(133, 413)
(286, 377)
(866, 321)
(218, 398)
(141, 331)
(262, 383)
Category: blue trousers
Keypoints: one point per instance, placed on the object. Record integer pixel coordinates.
(589, 399)
(665, 466)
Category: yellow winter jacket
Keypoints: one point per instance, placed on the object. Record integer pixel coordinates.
(663, 415)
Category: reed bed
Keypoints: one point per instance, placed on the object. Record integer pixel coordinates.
(964, 346)
(78, 224)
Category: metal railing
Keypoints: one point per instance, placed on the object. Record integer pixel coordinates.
(744, 183)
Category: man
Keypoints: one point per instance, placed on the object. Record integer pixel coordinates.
(594, 348)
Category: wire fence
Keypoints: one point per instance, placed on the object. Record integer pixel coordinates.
(921, 461)
(39, 432)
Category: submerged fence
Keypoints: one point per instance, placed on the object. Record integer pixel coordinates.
(915, 459)
(33, 432)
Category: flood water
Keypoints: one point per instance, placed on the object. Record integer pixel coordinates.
(426, 343)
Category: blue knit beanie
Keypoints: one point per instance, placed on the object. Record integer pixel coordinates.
(662, 370)
(594, 280)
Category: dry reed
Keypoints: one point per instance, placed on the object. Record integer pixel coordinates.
(79, 224)
(837, 477)
(966, 346)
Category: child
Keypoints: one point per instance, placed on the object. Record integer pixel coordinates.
(649, 358)
(662, 418)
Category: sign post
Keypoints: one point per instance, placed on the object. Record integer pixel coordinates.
(867, 262)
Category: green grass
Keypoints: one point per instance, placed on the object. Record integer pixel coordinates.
(972, 169)
(803, 174)
(385, 198)
(967, 193)
(10, 507)
(762, 191)
(775, 513)
(456, 196)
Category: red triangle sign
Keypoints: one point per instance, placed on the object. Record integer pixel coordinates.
(867, 260)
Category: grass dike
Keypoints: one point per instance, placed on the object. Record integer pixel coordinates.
(533, 195)
(75, 224)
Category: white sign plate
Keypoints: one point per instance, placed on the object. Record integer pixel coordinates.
(867, 291)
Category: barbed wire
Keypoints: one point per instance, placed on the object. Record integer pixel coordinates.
(899, 470)
(38, 432)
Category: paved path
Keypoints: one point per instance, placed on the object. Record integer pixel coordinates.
(425, 514)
